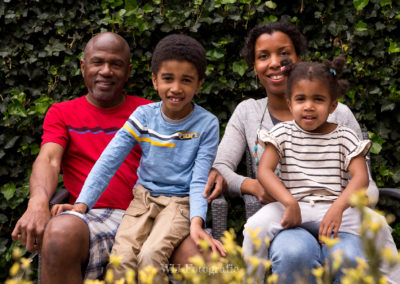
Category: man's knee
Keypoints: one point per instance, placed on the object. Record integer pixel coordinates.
(65, 235)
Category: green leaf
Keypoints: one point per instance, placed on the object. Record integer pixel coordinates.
(360, 4)
(8, 190)
(16, 108)
(376, 148)
(239, 67)
(271, 4)
(361, 26)
(393, 47)
(385, 2)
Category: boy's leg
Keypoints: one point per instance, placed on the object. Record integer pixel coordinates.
(133, 231)
(294, 254)
(170, 227)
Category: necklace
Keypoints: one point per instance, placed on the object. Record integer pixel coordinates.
(256, 158)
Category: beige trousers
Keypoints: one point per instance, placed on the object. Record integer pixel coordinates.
(150, 230)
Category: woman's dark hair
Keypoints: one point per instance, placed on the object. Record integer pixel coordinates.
(181, 48)
(327, 72)
(297, 38)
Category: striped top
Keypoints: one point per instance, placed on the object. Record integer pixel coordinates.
(314, 166)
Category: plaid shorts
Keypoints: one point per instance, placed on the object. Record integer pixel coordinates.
(103, 225)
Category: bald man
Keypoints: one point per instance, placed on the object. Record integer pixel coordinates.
(75, 246)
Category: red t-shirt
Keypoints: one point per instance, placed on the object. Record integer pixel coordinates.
(84, 131)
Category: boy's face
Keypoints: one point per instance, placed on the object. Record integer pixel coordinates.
(310, 103)
(176, 82)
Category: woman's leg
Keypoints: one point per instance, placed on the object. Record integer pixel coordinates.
(349, 248)
(294, 254)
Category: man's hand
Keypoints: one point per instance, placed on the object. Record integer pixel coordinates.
(77, 207)
(197, 233)
(214, 178)
(30, 227)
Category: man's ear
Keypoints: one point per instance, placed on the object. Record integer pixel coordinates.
(154, 80)
(82, 62)
(129, 72)
(333, 106)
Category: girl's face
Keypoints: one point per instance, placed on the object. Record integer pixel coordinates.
(269, 50)
(310, 104)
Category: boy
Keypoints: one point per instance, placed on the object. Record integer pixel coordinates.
(179, 141)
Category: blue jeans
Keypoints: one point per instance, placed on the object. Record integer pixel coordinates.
(296, 252)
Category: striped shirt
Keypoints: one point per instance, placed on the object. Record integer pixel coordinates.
(314, 166)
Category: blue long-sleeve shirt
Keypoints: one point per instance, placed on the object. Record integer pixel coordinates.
(176, 159)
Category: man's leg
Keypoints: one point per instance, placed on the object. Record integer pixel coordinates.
(65, 250)
(294, 253)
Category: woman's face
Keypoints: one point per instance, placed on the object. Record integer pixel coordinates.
(269, 50)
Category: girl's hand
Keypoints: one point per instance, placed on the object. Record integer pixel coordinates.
(78, 207)
(197, 233)
(292, 216)
(331, 222)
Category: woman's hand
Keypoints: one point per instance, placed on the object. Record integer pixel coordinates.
(197, 233)
(215, 186)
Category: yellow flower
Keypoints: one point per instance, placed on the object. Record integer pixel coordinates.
(197, 261)
(25, 263)
(359, 199)
(130, 276)
(345, 47)
(329, 242)
(375, 226)
(16, 253)
(253, 233)
(109, 276)
(115, 260)
(267, 264)
(273, 278)
(147, 274)
(388, 255)
(318, 272)
(10, 281)
(204, 245)
(14, 269)
(267, 241)
(383, 280)
(254, 261)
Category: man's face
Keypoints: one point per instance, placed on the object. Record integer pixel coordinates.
(105, 69)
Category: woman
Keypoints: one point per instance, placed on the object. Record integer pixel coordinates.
(295, 250)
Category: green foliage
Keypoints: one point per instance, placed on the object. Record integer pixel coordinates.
(42, 41)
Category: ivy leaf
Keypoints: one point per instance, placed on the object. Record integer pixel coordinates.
(361, 27)
(239, 67)
(394, 47)
(385, 2)
(271, 4)
(376, 148)
(360, 4)
(16, 108)
(8, 190)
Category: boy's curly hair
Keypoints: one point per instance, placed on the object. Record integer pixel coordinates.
(328, 72)
(181, 48)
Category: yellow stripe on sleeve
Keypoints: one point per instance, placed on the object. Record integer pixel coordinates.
(155, 143)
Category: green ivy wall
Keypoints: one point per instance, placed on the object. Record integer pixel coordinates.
(41, 42)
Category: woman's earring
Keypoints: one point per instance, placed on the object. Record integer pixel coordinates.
(256, 86)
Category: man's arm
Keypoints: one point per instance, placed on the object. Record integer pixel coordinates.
(43, 183)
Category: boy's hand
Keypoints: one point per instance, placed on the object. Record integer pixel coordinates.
(77, 207)
(197, 233)
(292, 216)
(331, 222)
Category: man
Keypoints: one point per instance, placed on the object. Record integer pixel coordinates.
(74, 135)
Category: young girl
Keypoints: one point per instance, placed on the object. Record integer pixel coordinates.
(315, 157)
